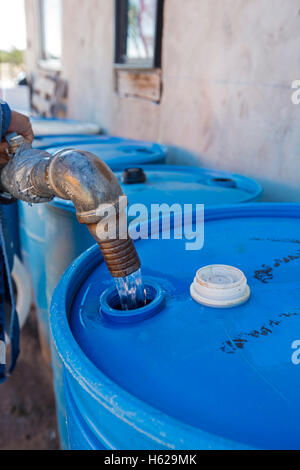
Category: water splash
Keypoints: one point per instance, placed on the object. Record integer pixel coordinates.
(131, 291)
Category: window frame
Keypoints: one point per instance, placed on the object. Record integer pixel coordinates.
(121, 28)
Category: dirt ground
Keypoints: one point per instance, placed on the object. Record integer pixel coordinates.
(27, 411)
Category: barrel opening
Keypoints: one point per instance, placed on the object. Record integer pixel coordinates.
(223, 182)
(110, 306)
(134, 176)
(143, 150)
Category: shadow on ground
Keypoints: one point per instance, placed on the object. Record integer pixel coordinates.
(27, 410)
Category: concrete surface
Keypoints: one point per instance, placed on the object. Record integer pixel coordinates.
(27, 411)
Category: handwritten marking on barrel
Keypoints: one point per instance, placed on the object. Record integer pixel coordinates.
(240, 341)
(266, 273)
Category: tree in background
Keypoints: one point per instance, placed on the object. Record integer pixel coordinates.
(11, 64)
(14, 57)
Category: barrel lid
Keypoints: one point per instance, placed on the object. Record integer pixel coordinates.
(227, 372)
(170, 184)
(220, 286)
(52, 126)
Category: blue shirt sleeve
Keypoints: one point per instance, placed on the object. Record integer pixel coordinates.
(6, 117)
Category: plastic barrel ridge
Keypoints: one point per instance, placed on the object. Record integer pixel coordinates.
(226, 377)
(158, 184)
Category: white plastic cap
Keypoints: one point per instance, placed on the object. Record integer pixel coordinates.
(220, 286)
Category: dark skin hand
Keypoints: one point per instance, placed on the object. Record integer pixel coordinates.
(20, 124)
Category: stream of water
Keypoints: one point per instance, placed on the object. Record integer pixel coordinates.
(131, 291)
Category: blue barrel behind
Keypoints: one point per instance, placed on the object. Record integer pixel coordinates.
(44, 142)
(119, 155)
(182, 375)
(32, 239)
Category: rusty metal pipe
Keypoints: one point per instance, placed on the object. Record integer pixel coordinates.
(81, 177)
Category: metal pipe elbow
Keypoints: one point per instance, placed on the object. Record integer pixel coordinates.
(90, 184)
(82, 178)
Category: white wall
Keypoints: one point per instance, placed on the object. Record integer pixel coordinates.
(227, 74)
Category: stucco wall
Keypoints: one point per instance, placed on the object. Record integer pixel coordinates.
(227, 74)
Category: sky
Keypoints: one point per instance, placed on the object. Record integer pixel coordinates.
(13, 26)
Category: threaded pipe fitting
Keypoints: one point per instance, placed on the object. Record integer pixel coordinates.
(120, 257)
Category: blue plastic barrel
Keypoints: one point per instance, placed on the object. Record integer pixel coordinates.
(171, 184)
(119, 155)
(45, 141)
(32, 240)
(151, 184)
(177, 374)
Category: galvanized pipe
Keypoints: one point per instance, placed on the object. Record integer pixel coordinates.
(35, 176)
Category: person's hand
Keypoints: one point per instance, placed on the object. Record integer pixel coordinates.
(20, 124)
(4, 158)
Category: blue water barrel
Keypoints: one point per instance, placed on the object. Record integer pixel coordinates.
(53, 126)
(120, 155)
(45, 141)
(151, 184)
(32, 240)
(186, 185)
(177, 374)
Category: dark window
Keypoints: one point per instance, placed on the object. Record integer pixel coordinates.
(139, 33)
